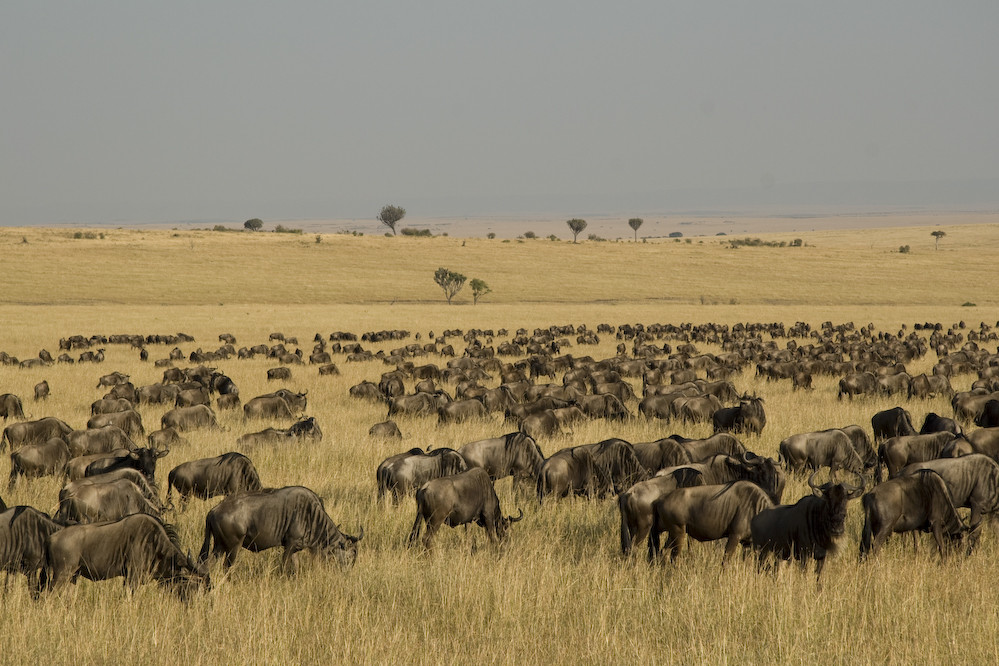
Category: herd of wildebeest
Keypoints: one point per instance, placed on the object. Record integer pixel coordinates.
(109, 520)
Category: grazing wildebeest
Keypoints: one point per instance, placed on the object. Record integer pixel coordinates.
(635, 504)
(618, 459)
(130, 421)
(703, 449)
(898, 452)
(747, 416)
(11, 407)
(894, 422)
(41, 391)
(403, 474)
(158, 393)
(226, 474)
(166, 438)
(33, 432)
(386, 430)
(292, 517)
(811, 450)
(183, 419)
(857, 384)
(228, 401)
(572, 471)
(98, 440)
(806, 529)
(458, 500)
(278, 373)
(35, 460)
(550, 421)
(461, 410)
(112, 379)
(920, 501)
(138, 547)
(267, 406)
(936, 423)
(23, 531)
(514, 454)
(706, 513)
(662, 453)
(95, 502)
(722, 469)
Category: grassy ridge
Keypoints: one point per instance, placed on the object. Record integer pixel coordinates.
(558, 591)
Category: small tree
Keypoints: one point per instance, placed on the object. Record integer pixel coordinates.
(450, 281)
(256, 224)
(390, 215)
(937, 235)
(576, 226)
(635, 223)
(479, 289)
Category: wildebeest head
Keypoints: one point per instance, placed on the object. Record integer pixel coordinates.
(764, 473)
(144, 460)
(503, 524)
(307, 427)
(836, 496)
(344, 551)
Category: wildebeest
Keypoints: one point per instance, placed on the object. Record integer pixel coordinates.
(228, 401)
(617, 458)
(306, 428)
(514, 454)
(226, 474)
(550, 421)
(278, 373)
(812, 450)
(183, 419)
(665, 452)
(11, 407)
(138, 547)
(807, 529)
(41, 391)
(82, 502)
(572, 471)
(165, 438)
(894, 422)
(989, 416)
(703, 449)
(722, 469)
(98, 440)
(292, 517)
(23, 531)
(158, 393)
(920, 501)
(928, 386)
(706, 513)
(33, 432)
(857, 384)
(458, 500)
(696, 409)
(270, 406)
(936, 423)
(404, 473)
(35, 460)
(898, 452)
(747, 416)
(192, 396)
(130, 421)
(111, 379)
(461, 410)
(603, 406)
(635, 504)
(386, 430)
(110, 406)
(142, 459)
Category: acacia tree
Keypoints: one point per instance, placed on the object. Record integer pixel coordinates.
(450, 281)
(576, 226)
(256, 224)
(391, 215)
(937, 235)
(479, 289)
(635, 223)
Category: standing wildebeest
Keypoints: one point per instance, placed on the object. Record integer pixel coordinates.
(635, 504)
(662, 453)
(702, 449)
(457, 500)
(928, 386)
(278, 373)
(226, 474)
(807, 529)
(898, 452)
(706, 513)
(293, 517)
(920, 501)
(143, 460)
(166, 438)
(747, 416)
(11, 407)
(228, 401)
(812, 450)
(461, 410)
(183, 419)
(41, 391)
(696, 409)
(572, 471)
(129, 421)
(722, 469)
(138, 547)
(514, 454)
(192, 396)
(402, 474)
(936, 423)
(989, 416)
(973, 482)
(112, 379)
(157, 393)
(894, 422)
(35, 460)
(386, 430)
(23, 531)
(267, 406)
(33, 432)
(550, 421)
(110, 406)
(82, 502)
(857, 384)
(98, 440)
(617, 458)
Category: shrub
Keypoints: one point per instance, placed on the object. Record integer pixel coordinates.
(968, 304)
(410, 231)
(553, 237)
(594, 237)
(280, 229)
(903, 249)
(256, 224)
(797, 242)
(491, 235)
(676, 234)
(530, 234)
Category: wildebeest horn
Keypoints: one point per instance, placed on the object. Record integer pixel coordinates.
(749, 457)
(358, 537)
(811, 481)
(520, 516)
(854, 491)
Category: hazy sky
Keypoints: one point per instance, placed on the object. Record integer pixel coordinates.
(131, 111)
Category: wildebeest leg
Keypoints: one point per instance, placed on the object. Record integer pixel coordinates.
(674, 542)
(428, 536)
(415, 532)
(733, 541)
(974, 526)
(288, 561)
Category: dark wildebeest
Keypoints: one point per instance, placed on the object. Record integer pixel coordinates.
(920, 501)
(461, 410)
(306, 428)
(812, 450)
(292, 517)
(662, 453)
(112, 379)
(192, 396)
(989, 416)
(95, 502)
(857, 383)
(23, 531)
(898, 452)
(35, 460)
(550, 421)
(936, 423)
(129, 421)
(41, 391)
(228, 401)
(110, 406)
(696, 409)
(973, 482)
(98, 440)
(143, 459)
(138, 547)
(458, 500)
(158, 393)
(514, 454)
(722, 469)
(572, 471)
(278, 373)
(618, 459)
(268, 406)
(807, 529)
(226, 474)
(183, 419)
(703, 449)
(747, 416)
(402, 474)
(894, 422)
(33, 432)
(706, 513)
(385, 430)
(11, 407)
(635, 504)
(603, 406)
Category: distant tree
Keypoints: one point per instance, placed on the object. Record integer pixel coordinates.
(256, 224)
(479, 289)
(390, 215)
(450, 281)
(576, 226)
(635, 223)
(937, 235)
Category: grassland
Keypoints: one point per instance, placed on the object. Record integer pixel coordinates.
(558, 591)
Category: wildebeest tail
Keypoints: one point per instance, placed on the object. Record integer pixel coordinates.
(414, 534)
(879, 470)
(867, 533)
(206, 546)
(622, 500)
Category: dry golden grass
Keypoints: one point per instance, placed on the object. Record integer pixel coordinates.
(558, 591)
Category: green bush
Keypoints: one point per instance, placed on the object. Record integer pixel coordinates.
(530, 234)
(410, 231)
(281, 229)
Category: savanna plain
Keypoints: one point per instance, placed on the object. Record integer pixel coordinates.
(558, 590)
